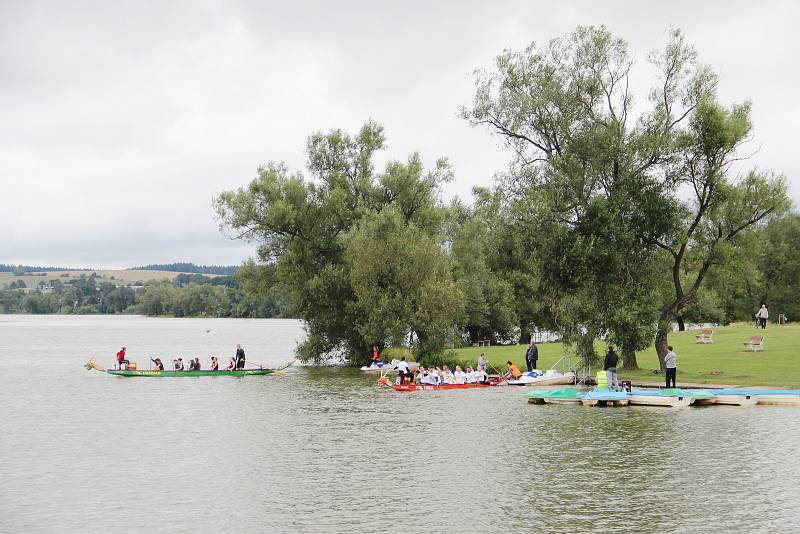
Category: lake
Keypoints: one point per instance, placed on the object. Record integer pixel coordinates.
(325, 450)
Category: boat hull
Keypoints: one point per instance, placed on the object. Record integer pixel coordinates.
(778, 400)
(776, 397)
(553, 400)
(429, 387)
(605, 397)
(184, 374)
(736, 400)
(658, 400)
(605, 402)
(566, 379)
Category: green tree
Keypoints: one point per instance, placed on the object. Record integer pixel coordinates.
(157, 300)
(489, 306)
(586, 175)
(402, 283)
(302, 227)
(721, 210)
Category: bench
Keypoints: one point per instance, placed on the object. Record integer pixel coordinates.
(754, 344)
(706, 336)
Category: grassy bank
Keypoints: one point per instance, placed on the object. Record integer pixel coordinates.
(720, 362)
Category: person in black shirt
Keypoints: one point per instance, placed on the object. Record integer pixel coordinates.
(531, 356)
(610, 366)
(239, 357)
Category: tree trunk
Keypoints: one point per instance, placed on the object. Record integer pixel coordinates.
(669, 314)
(629, 358)
(681, 323)
(661, 343)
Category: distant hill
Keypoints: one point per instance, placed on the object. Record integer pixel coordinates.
(189, 268)
(33, 269)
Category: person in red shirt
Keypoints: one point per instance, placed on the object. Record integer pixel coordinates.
(121, 358)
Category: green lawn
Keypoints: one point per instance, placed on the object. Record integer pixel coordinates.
(720, 362)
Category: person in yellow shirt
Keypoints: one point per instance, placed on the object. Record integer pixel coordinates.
(513, 371)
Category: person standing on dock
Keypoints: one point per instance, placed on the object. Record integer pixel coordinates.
(610, 366)
(239, 357)
(531, 356)
(671, 362)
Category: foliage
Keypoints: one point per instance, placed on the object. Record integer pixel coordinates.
(327, 236)
(208, 297)
(602, 189)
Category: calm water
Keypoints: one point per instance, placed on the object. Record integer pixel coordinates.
(324, 450)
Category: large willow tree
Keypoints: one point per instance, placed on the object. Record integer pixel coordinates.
(605, 184)
(359, 253)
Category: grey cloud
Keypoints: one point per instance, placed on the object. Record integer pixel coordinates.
(133, 115)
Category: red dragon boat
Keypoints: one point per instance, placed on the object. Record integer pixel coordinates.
(425, 387)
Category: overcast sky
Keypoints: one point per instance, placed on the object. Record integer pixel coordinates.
(119, 121)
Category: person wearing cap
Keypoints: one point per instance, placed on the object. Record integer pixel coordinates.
(121, 358)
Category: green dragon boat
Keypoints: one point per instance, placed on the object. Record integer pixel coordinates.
(203, 372)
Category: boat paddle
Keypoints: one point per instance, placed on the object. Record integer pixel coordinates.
(501, 376)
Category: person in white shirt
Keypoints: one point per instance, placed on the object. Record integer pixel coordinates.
(459, 375)
(671, 363)
(482, 362)
(762, 316)
(471, 376)
(437, 376)
(402, 370)
(447, 376)
(481, 376)
(426, 376)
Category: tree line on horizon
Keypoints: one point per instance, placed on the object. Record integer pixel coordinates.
(610, 222)
(177, 267)
(187, 295)
(184, 267)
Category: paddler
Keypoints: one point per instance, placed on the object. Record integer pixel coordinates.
(376, 357)
(402, 371)
(239, 357)
(460, 376)
(513, 370)
(121, 358)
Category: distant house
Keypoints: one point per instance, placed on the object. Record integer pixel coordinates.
(46, 289)
(136, 288)
(27, 290)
